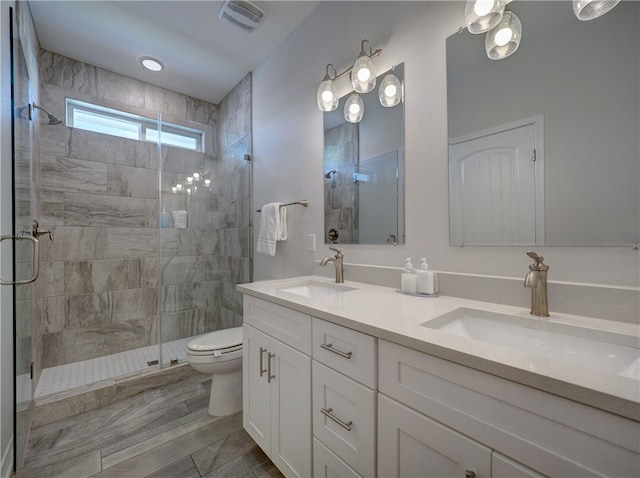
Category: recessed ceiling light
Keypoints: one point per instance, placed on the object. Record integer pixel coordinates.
(151, 63)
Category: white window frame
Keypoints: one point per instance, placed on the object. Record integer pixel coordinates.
(145, 127)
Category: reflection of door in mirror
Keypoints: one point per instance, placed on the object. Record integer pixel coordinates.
(377, 179)
(497, 188)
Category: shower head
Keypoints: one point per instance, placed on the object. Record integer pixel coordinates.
(328, 174)
(52, 119)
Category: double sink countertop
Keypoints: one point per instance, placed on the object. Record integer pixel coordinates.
(385, 313)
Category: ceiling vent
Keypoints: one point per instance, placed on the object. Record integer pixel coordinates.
(241, 14)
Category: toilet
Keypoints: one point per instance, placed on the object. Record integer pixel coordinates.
(219, 354)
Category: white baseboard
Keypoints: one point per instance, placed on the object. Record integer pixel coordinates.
(7, 461)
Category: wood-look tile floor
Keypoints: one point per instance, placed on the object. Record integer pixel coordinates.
(160, 433)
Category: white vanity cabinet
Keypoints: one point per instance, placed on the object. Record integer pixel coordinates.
(438, 415)
(276, 380)
(344, 375)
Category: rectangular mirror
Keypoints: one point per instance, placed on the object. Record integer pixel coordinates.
(543, 145)
(364, 172)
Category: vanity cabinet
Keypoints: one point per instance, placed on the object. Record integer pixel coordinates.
(344, 376)
(489, 425)
(276, 380)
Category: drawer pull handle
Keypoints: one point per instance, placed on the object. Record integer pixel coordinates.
(342, 354)
(262, 369)
(469, 474)
(327, 413)
(269, 376)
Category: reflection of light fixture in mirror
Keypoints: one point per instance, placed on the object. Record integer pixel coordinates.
(504, 39)
(590, 9)
(353, 108)
(363, 71)
(327, 95)
(390, 91)
(151, 63)
(483, 15)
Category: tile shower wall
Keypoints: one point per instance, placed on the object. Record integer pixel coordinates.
(111, 272)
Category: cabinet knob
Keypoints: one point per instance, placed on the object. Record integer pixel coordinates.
(469, 474)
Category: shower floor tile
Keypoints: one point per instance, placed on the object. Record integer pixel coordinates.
(81, 376)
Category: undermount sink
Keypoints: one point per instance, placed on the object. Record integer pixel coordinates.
(599, 350)
(314, 289)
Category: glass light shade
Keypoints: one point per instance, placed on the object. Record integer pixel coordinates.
(363, 74)
(483, 15)
(590, 9)
(504, 39)
(353, 109)
(327, 96)
(390, 90)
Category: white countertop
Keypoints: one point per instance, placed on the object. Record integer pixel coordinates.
(387, 314)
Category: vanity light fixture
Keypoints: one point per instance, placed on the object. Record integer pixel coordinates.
(151, 63)
(504, 39)
(327, 95)
(483, 15)
(590, 9)
(353, 108)
(363, 78)
(390, 92)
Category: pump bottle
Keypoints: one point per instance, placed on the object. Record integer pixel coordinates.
(409, 278)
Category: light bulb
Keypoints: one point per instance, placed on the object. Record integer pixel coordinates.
(503, 36)
(179, 187)
(174, 189)
(364, 74)
(482, 7)
(390, 90)
(196, 176)
(354, 109)
(189, 180)
(327, 96)
(207, 182)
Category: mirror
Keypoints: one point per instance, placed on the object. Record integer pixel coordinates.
(543, 145)
(364, 173)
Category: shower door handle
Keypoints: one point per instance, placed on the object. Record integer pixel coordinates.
(36, 260)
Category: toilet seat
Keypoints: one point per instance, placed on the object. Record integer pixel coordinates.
(217, 343)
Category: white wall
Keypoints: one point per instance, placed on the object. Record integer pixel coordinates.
(287, 128)
(6, 296)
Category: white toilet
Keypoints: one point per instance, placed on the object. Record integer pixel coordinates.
(219, 353)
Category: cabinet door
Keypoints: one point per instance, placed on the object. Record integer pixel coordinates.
(411, 444)
(291, 410)
(504, 467)
(255, 396)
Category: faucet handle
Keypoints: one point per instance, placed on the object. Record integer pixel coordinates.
(338, 251)
(535, 256)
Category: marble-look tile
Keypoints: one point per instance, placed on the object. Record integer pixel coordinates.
(75, 243)
(186, 323)
(123, 89)
(53, 314)
(52, 350)
(165, 101)
(236, 242)
(51, 208)
(198, 242)
(72, 406)
(195, 295)
(231, 298)
(129, 242)
(223, 451)
(132, 182)
(67, 73)
(73, 175)
(87, 310)
(178, 160)
(90, 342)
(110, 149)
(85, 277)
(96, 210)
(162, 379)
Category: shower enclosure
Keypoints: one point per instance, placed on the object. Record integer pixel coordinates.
(150, 234)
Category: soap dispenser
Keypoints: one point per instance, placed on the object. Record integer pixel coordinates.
(426, 280)
(165, 218)
(409, 278)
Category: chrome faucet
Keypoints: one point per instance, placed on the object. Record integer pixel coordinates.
(337, 262)
(536, 278)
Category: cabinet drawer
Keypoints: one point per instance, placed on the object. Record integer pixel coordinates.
(289, 326)
(346, 350)
(550, 434)
(344, 418)
(327, 464)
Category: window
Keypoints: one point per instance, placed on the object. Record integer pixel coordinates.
(103, 120)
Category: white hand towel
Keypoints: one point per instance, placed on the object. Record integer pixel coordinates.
(273, 227)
